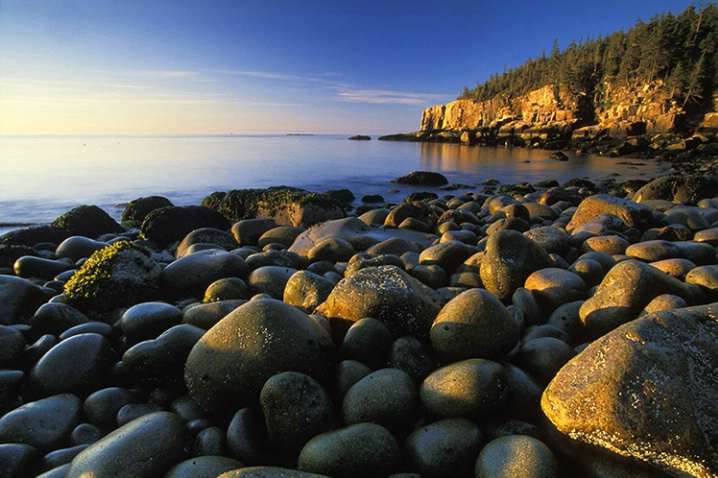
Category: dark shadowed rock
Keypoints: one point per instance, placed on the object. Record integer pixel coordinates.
(646, 390)
(509, 259)
(146, 447)
(190, 275)
(422, 178)
(45, 424)
(207, 235)
(137, 210)
(88, 221)
(679, 189)
(229, 365)
(516, 455)
(19, 299)
(287, 206)
(30, 236)
(172, 223)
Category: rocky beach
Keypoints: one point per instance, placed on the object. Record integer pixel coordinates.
(525, 330)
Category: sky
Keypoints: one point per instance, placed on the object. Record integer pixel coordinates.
(270, 66)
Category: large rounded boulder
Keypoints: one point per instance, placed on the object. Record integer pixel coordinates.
(227, 368)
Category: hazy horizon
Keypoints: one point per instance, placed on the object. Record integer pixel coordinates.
(270, 66)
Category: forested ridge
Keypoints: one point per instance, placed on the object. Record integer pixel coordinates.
(677, 52)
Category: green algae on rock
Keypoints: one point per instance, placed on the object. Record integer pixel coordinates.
(119, 275)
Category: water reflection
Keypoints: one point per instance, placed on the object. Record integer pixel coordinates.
(475, 164)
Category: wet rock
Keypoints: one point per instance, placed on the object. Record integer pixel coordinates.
(190, 276)
(137, 210)
(645, 390)
(385, 293)
(146, 447)
(38, 267)
(120, 275)
(422, 178)
(12, 344)
(445, 446)
(543, 357)
(164, 356)
(652, 251)
(296, 408)
(333, 249)
(168, 224)
(79, 365)
(706, 277)
(554, 287)
(269, 472)
(363, 261)
(55, 318)
(552, 239)
(270, 280)
(474, 324)
(516, 455)
(448, 255)
(415, 210)
(203, 467)
(284, 235)
(663, 302)
(17, 460)
(632, 214)
(473, 389)
(509, 259)
(347, 373)
(610, 245)
(101, 407)
(227, 288)
(364, 449)
(367, 341)
(306, 290)
(19, 299)
(412, 356)
(229, 365)
(678, 189)
(148, 320)
(45, 424)
(357, 233)
(88, 221)
(248, 231)
(209, 236)
(624, 292)
(207, 315)
(388, 397)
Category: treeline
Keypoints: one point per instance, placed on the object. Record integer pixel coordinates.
(678, 50)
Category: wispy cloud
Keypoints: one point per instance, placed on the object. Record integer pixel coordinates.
(382, 96)
(266, 75)
(166, 74)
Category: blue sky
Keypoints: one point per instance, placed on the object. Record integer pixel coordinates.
(270, 66)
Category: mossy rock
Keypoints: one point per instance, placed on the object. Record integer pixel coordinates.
(119, 275)
(137, 210)
(286, 205)
(88, 221)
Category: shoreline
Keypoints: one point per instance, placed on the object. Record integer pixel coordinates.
(402, 295)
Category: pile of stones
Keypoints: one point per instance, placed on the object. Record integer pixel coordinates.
(559, 332)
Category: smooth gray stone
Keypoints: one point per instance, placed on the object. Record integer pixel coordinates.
(80, 364)
(148, 320)
(144, 448)
(203, 467)
(45, 424)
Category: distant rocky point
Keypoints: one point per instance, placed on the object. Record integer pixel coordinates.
(360, 137)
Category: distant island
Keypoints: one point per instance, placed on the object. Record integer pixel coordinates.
(656, 84)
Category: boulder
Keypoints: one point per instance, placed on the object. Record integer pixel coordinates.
(385, 293)
(627, 288)
(287, 206)
(137, 210)
(414, 210)
(190, 275)
(88, 221)
(631, 213)
(357, 233)
(229, 365)
(509, 259)
(646, 390)
(679, 189)
(19, 299)
(119, 275)
(172, 223)
(422, 178)
(146, 447)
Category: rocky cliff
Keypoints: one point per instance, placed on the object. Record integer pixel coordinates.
(553, 113)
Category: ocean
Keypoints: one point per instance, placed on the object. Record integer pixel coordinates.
(41, 177)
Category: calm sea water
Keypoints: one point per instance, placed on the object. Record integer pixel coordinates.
(42, 177)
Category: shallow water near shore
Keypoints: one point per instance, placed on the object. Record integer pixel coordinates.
(42, 177)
